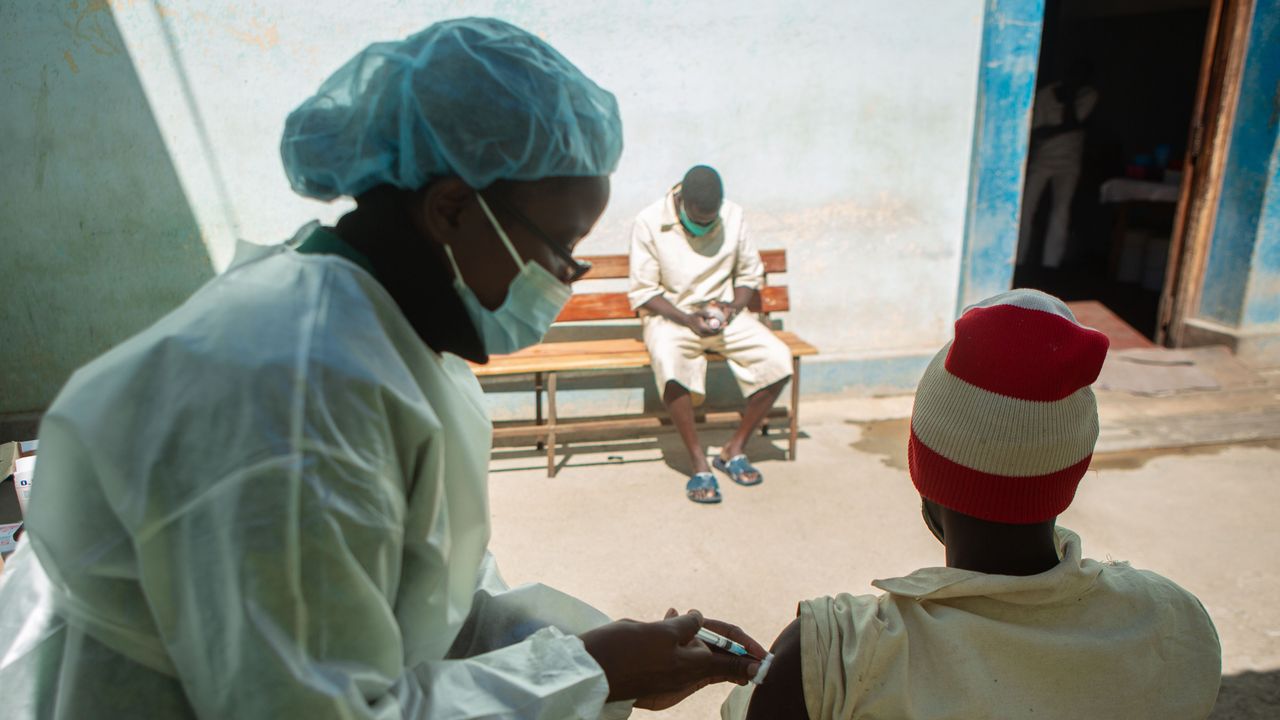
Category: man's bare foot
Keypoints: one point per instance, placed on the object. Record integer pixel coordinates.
(738, 468)
(702, 488)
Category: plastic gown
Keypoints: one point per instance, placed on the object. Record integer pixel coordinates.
(273, 504)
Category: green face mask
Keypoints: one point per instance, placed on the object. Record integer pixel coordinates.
(694, 228)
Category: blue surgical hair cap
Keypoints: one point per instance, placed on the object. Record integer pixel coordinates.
(478, 98)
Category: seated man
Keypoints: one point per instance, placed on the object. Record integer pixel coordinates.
(694, 270)
(1018, 624)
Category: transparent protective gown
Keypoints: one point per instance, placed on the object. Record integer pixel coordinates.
(273, 504)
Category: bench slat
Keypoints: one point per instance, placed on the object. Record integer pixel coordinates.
(612, 267)
(773, 298)
(511, 434)
(775, 261)
(585, 307)
(596, 306)
(607, 267)
(614, 354)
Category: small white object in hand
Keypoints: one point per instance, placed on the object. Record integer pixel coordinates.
(716, 317)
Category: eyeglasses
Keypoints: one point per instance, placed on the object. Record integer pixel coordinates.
(577, 268)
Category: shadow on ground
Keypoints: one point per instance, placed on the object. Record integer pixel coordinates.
(674, 454)
(666, 447)
(1249, 696)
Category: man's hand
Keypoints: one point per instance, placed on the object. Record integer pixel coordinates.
(662, 663)
(700, 323)
(730, 311)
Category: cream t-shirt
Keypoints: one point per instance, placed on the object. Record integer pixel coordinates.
(691, 271)
(1083, 640)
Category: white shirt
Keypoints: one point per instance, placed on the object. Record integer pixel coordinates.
(270, 504)
(1065, 148)
(1082, 640)
(691, 271)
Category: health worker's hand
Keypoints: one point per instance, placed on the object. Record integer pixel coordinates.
(661, 663)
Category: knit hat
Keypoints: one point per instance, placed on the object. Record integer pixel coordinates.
(1004, 421)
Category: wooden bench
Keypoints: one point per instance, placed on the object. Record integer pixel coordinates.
(547, 359)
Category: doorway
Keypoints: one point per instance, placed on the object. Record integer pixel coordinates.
(1119, 88)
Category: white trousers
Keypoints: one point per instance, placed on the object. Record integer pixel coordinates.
(756, 356)
(1060, 179)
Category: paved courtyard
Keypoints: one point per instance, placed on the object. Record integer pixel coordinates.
(614, 528)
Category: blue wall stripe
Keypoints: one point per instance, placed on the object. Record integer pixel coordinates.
(1006, 90)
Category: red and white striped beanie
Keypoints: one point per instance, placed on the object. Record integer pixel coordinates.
(1004, 421)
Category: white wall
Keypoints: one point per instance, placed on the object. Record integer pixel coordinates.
(844, 128)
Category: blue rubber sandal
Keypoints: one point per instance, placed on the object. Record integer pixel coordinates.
(736, 468)
(703, 481)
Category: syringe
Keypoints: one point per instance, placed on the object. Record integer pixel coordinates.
(716, 640)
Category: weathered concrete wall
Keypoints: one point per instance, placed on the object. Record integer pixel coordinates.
(97, 237)
(845, 129)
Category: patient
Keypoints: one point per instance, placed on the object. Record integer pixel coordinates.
(1018, 624)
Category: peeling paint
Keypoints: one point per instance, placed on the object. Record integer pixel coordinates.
(884, 215)
(92, 25)
(258, 31)
(265, 36)
(88, 26)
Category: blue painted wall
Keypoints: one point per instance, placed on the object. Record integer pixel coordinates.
(1262, 296)
(1242, 277)
(1006, 90)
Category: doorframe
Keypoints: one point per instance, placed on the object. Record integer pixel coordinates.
(1208, 140)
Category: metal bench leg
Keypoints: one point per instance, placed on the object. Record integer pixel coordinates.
(795, 407)
(537, 403)
(551, 425)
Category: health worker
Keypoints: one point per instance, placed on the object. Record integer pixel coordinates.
(272, 503)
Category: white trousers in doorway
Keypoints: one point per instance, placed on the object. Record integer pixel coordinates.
(1060, 178)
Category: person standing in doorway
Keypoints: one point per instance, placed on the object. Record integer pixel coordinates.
(1057, 149)
(694, 270)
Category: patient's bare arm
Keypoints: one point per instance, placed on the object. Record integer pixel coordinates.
(781, 696)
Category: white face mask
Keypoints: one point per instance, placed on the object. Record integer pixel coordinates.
(534, 299)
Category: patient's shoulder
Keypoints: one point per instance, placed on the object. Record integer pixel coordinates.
(781, 695)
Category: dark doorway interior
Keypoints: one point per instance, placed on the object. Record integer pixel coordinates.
(1140, 61)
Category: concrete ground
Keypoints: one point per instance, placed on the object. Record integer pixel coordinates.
(614, 528)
